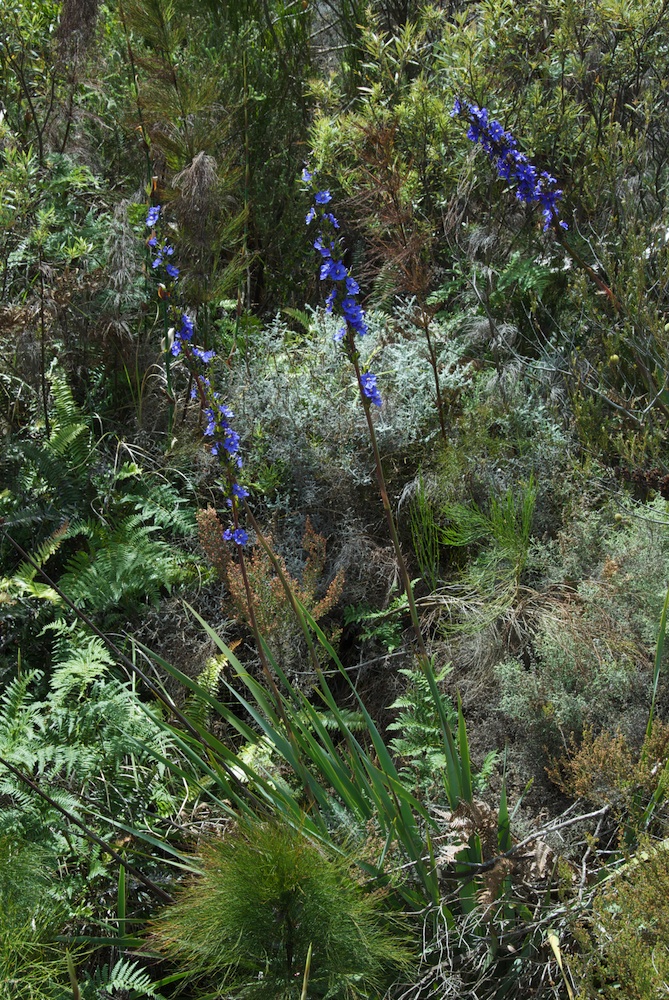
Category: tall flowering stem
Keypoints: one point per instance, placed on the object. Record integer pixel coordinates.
(223, 439)
(540, 188)
(342, 299)
(531, 185)
(167, 275)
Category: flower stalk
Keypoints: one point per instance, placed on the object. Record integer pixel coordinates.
(343, 296)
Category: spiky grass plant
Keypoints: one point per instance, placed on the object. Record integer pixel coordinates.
(270, 905)
(30, 967)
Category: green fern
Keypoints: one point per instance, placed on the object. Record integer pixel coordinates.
(418, 721)
(78, 738)
(121, 570)
(197, 706)
(525, 275)
(125, 976)
(422, 740)
(384, 627)
(161, 505)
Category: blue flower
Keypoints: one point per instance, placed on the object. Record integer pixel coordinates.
(370, 389)
(354, 315)
(337, 271)
(311, 215)
(152, 216)
(333, 268)
(172, 271)
(239, 491)
(153, 242)
(325, 250)
(204, 356)
(307, 175)
(331, 219)
(231, 442)
(236, 535)
(511, 164)
(186, 331)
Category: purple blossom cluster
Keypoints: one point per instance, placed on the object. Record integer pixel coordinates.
(344, 289)
(513, 166)
(162, 252)
(225, 440)
(370, 389)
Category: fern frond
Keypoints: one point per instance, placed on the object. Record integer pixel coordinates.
(131, 567)
(26, 571)
(197, 707)
(126, 976)
(160, 504)
(51, 479)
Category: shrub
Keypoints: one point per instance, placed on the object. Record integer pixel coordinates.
(607, 771)
(626, 946)
(273, 611)
(268, 898)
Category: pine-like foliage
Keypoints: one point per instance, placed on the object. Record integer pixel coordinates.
(267, 899)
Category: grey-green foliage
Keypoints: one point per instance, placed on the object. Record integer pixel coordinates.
(87, 735)
(572, 681)
(266, 896)
(591, 651)
(302, 394)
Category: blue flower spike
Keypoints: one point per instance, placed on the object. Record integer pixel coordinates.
(345, 289)
(513, 166)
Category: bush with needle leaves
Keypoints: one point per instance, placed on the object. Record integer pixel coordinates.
(270, 912)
